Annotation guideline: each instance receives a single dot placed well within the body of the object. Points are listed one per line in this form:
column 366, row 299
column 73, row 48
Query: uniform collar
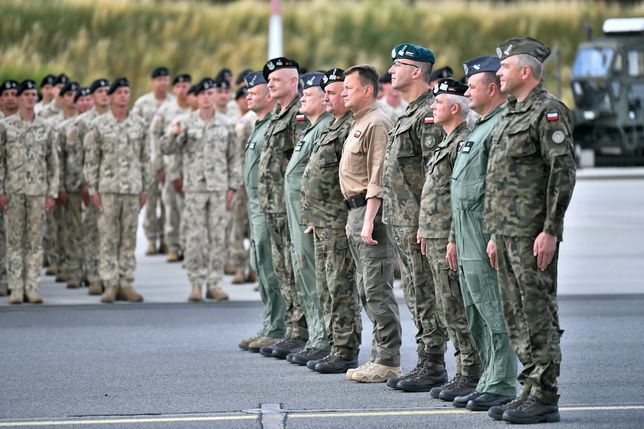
column 366, row 110
column 417, row 103
column 294, row 104
column 515, row 107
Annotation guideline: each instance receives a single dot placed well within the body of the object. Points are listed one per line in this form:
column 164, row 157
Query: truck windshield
column 593, row 62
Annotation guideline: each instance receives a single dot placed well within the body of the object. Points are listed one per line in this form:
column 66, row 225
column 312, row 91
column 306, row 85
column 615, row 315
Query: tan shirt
column 361, row 165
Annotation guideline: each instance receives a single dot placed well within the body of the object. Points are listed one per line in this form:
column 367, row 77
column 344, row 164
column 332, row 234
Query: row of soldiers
column 474, row 211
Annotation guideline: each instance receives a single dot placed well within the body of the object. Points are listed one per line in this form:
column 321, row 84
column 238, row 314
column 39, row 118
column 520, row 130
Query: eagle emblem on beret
column 270, row 65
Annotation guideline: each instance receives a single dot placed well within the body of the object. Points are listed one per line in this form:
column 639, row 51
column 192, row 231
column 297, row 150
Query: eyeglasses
column 397, row 64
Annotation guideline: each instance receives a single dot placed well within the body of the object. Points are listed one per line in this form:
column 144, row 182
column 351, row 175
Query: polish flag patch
column 429, row 119
column 357, row 134
column 300, row 117
column 552, row 116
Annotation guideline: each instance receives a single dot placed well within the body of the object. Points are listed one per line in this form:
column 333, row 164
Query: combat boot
column 497, row 412
column 62, row 277
column 243, row 344
column 216, row 294
column 109, row 296
column 436, row 391
column 239, row 278
column 464, row 386
column 127, row 293
column 393, row 381
column 532, row 411
column 52, row 269
column 288, row 345
column 376, row 373
column 306, row 355
column 229, row 269
column 74, row 283
column 17, row 296
column 152, row 249
column 334, row 365
column 163, row 248
column 263, row 343
column 486, row 401
column 173, row 256
column 433, row 374
column 364, row 366
column 95, row 288
column 33, row 297
column 252, row 277
column 195, row 294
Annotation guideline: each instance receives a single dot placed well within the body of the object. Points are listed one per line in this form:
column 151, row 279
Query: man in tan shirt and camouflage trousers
column 29, row 180
column 117, row 170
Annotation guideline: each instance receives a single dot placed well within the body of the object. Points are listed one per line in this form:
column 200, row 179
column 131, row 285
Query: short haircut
column 491, row 77
column 463, row 103
column 535, row 65
column 426, row 70
column 367, row 74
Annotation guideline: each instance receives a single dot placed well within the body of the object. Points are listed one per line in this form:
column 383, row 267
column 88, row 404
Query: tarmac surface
column 164, row 363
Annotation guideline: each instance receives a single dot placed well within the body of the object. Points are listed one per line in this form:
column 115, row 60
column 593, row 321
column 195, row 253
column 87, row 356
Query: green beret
column 408, row 51
column 523, row 45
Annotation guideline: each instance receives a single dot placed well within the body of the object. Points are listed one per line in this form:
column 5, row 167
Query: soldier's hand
column 229, row 199
column 62, row 197
column 142, row 199
column 545, row 246
column 178, row 186
column 451, row 256
column 491, row 252
column 50, row 203
column 84, row 192
column 161, row 176
column 4, row 202
column 96, row 201
column 423, row 249
column 309, row 230
column 366, row 234
column 177, row 129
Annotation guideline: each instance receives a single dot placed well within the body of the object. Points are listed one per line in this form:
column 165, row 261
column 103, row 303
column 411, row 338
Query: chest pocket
column 406, row 146
column 327, row 154
column 519, row 141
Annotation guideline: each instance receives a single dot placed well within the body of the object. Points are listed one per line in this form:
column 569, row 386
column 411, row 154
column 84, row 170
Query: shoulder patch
column 552, row 116
column 558, row 137
column 357, row 134
column 300, row 117
column 428, row 120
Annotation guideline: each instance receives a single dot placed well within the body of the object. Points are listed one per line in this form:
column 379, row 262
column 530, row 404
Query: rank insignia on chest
column 357, row 134
column 552, row 116
column 300, row 117
column 428, row 120
column 466, row 147
column 298, row 146
column 251, row 145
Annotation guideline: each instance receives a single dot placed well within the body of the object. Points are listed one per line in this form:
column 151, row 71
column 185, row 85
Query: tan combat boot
column 376, row 373
column 243, row 344
column 128, row 293
column 52, row 269
column 216, row 294
column 109, row 296
column 62, row 277
column 173, row 256
column 239, row 278
column 33, row 297
column 195, row 294
column 74, row 283
column 163, row 248
column 152, row 249
column 95, row 288
column 229, row 269
column 17, row 296
column 252, row 277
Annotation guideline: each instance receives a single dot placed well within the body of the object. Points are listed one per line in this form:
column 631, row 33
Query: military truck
column 607, row 82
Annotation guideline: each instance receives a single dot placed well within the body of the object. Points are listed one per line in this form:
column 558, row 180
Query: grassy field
column 93, row 38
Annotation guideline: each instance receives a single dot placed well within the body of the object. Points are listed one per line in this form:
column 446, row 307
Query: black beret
column 50, row 79
column 333, row 75
column 69, row 86
column 82, row 92
column 450, row 86
column 183, row 77
column 160, row 71
column 254, row 78
column 118, row 83
column 7, row 85
column 221, row 83
column 204, row 84
column 241, row 92
column 311, row 80
column 480, row 65
column 242, row 75
column 61, row 79
column 385, row 78
column 279, row 63
column 442, row 73
column 221, row 74
column 193, row 89
column 25, row 85
column 98, row 83
column 523, row 45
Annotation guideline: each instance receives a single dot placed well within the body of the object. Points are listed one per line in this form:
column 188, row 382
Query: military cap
column 193, row 89
column 241, row 92
column 183, row 77
column 441, row 73
column 254, row 78
column 221, row 83
column 82, row 92
column 62, row 79
column 160, row 71
column 450, row 86
column 523, row 45
column 311, row 80
column 118, row 83
column 409, row 51
column 69, row 86
column 385, row 78
column 98, row 83
column 242, row 74
column 25, row 85
column 7, row 85
column 50, row 79
column 279, row 63
column 481, row 65
column 224, row 73
column 333, row 75
column 204, row 84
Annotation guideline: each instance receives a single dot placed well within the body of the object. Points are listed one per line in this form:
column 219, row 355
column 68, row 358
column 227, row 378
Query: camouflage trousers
column 91, row 244
column 24, row 223
column 335, row 274
column 375, row 278
column 54, row 238
column 529, row 298
column 449, row 304
column 239, row 230
column 3, row 255
column 283, row 266
column 418, row 289
column 261, row 261
column 173, row 206
column 73, row 263
column 117, row 224
column 154, row 218
column 205, row 228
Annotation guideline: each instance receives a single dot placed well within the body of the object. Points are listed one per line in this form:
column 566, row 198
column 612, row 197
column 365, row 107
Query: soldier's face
column 281, row 82
column 478, row 92
column 83, row 104
column 402, row 74
column 121, row 96
column 312, row 100
column 180, row 89
column 9, row 99
column 509, row 74
column 68, row 99
column 100, row 97
column 193, row 101
column 222, row 96
column 55, row 90
column 354, row 94
column 441, row 109
column 257, row 98
column 207, row 98
column 46, row 90
column 333, row 99
column 160, row 83
column 28, row 98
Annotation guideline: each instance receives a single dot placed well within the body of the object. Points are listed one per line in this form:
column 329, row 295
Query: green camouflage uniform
column 283, row 131
column 476, row 276
column 210, row 169
column 29, row 172
column 322, row 207
column 435, row 223
column 529, row 185
column 260, row 241
column 410, row 145
column 302, row 250
column 117, row 166
column 55, row 234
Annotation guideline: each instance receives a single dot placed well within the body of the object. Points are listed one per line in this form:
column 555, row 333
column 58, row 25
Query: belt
column 354, row 203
